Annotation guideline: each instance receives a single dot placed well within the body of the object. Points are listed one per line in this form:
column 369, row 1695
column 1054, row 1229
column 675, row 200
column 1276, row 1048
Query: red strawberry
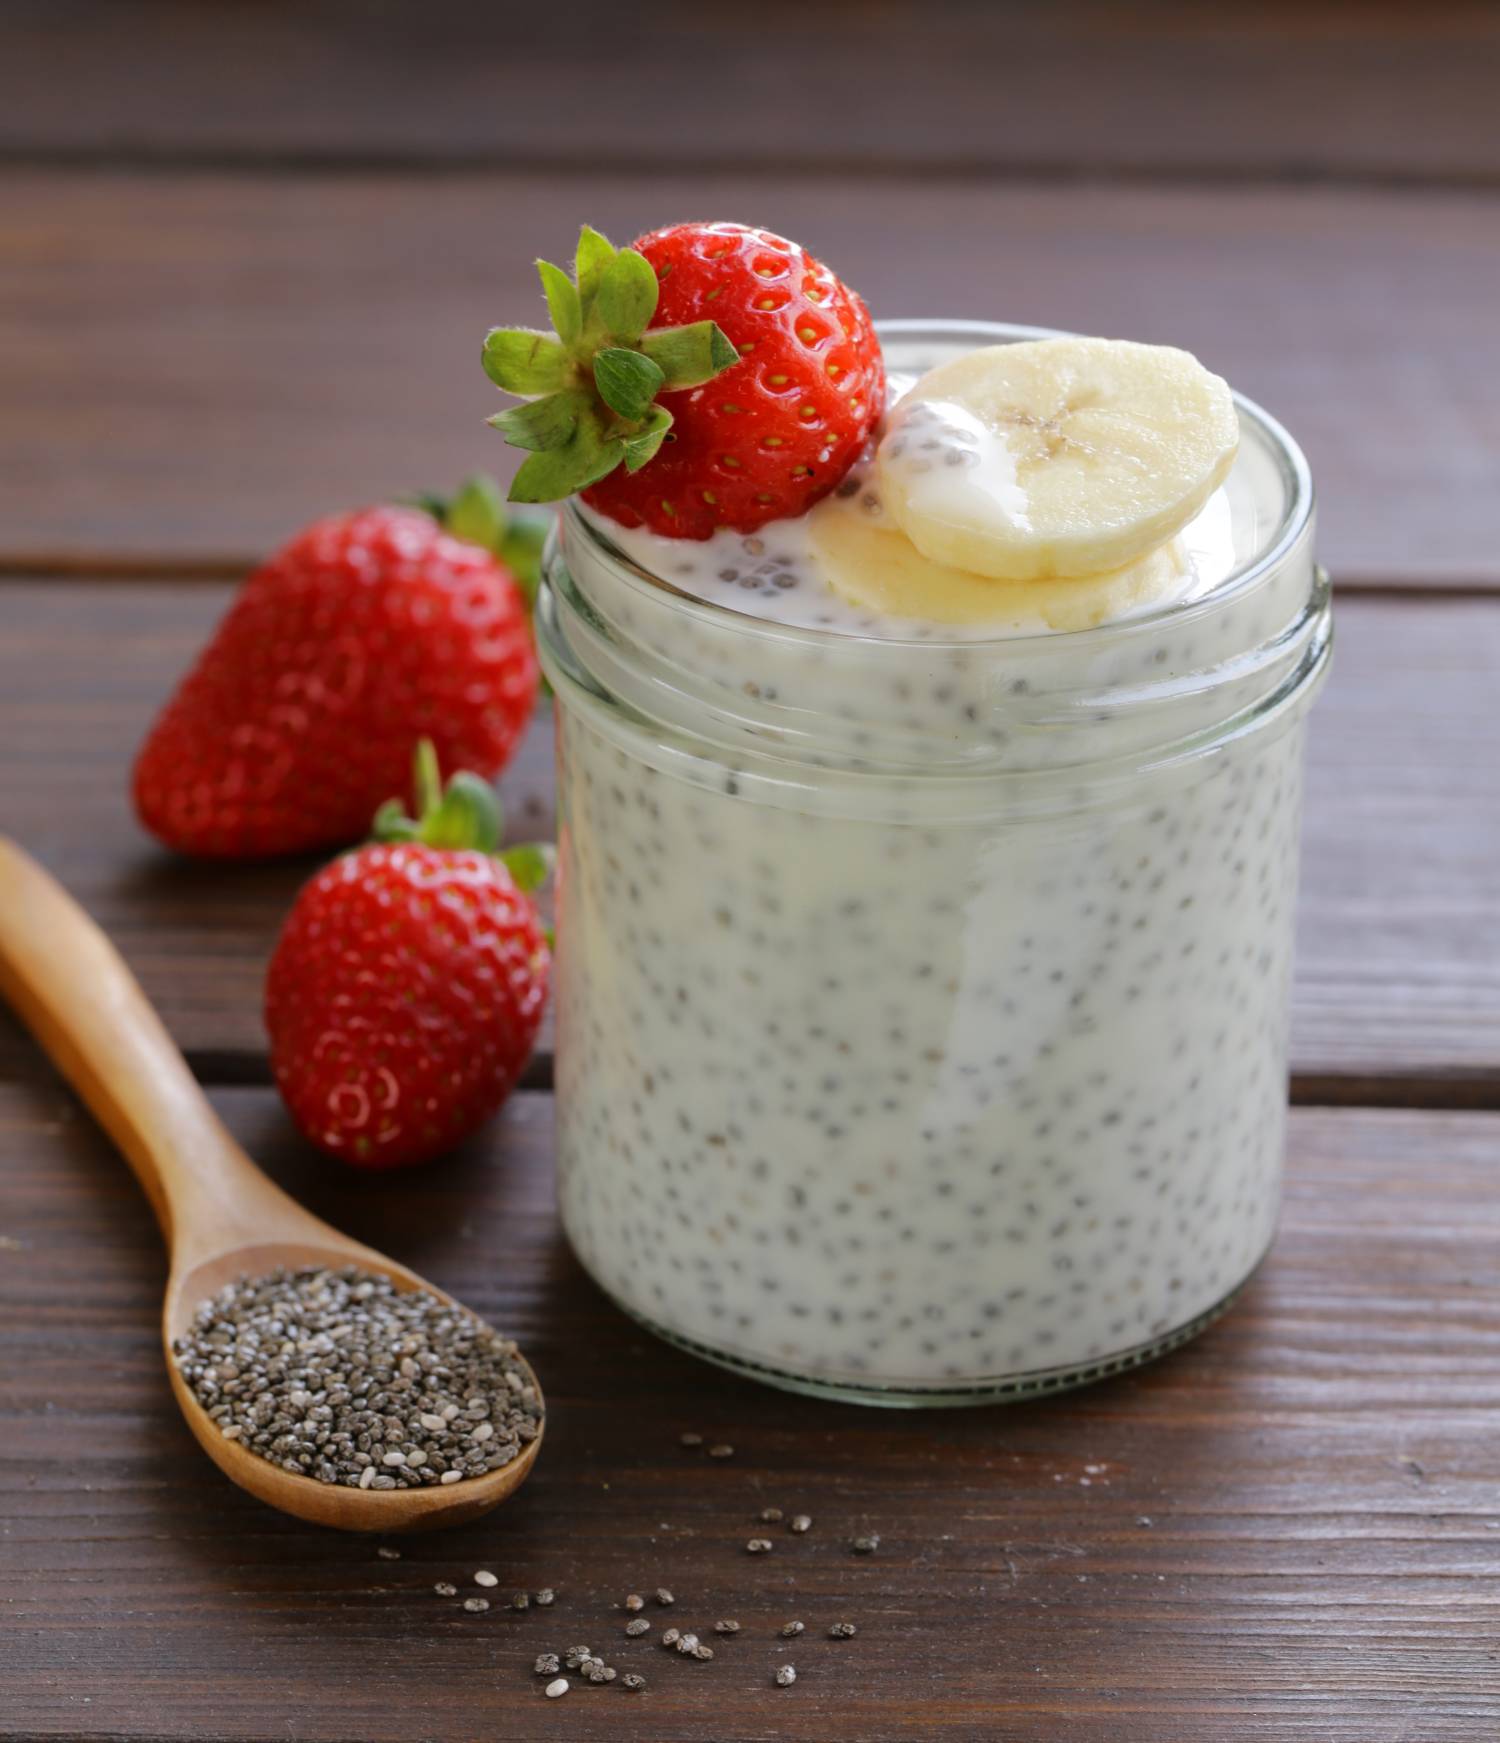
column 407, row 986
column 797, row 380
column 366, row 631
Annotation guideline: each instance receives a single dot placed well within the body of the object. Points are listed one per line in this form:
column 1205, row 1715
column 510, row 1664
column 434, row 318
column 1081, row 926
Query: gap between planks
column 168, row 160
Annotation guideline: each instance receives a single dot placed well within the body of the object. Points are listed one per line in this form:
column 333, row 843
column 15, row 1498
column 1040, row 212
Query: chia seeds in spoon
column 341, row 1377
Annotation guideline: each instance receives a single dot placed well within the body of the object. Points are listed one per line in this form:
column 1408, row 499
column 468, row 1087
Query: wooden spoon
column 222, row 1218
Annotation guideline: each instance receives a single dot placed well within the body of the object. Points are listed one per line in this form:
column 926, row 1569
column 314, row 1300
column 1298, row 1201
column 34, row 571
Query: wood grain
column 196, row 364
column 1287, row 1530
column 1166, row 87
column 1399, row 963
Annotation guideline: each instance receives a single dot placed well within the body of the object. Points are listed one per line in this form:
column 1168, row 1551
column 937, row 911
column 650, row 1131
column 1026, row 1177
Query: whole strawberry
column 406, row 989
column 365, row 632
column 710, row 376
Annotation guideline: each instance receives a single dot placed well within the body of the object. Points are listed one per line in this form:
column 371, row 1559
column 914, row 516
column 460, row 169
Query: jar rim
column 1300, row 502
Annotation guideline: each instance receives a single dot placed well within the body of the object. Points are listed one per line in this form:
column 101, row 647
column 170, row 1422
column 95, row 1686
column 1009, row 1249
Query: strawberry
column 300, row 715
column 622, row 409
column 407, row 986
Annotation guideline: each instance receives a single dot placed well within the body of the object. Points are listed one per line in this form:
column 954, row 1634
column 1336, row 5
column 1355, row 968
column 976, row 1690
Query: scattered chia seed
column 633, row 1680
column 759, row 1546
column 726, row 1627
column 771, row 1516
column 842, row 1631
column 554, row 1689
column 545, row 1598
column 801, row 1522
column 690, row 1439
column 663, row 1596
column 548, row 1664
column 635, row 1602
column 785, row 1677
column 865, row 1545
column 722, row 1451
column 520, row 1601
column 446, row 1589
column 790, row 1630
column 598, row 1672
column 686, row 1643
column 638, row 1627
column 388, row 1554
column 338, row 1376
column 476, row 1606
column 485, row 1578
column 671, row 1637
column 701, row 1652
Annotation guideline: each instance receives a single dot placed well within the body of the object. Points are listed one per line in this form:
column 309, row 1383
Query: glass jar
column 922, row 1004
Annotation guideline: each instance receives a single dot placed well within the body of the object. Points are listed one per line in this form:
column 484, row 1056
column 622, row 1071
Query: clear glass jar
column 922, row 1004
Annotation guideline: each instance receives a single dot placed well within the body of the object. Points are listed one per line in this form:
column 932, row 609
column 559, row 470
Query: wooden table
column 245, row 259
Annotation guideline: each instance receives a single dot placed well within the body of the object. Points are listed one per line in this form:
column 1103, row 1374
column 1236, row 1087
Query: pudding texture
column 922, row 986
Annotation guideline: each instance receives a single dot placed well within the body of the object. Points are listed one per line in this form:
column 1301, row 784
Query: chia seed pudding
column 922, row 986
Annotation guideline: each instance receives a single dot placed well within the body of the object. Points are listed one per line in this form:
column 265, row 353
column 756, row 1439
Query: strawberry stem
column 464, row 815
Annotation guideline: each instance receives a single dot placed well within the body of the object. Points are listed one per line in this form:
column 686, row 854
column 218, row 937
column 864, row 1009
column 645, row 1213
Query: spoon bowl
column 223, row 1219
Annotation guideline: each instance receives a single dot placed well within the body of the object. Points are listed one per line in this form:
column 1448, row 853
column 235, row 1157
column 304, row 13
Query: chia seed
column 801, row 1522
column 547, row 1665
column 726, row 1627
column 663, row 1596
column 786, row 1676
column 554, row 1689
column 446, row 1589
column 722, row 1451
column 759, row 1546
column 842, row 1631
column 865, row 1545
column 338, row 1376
column 635, row 1602
column 790, row 1630
column 476, row 1606
column 639, row 1626
column 633, row 1680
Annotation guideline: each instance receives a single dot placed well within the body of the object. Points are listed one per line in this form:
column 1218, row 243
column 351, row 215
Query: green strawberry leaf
column 594, row 254
column 627, row 381
column 590, row 453
column 468, row 816
column 530, row 864
column 641, row 448
column 464, row 815
column 627, row 296
column 689, row 356
column 563, row 304
column 542, row 424
column 476, row 513
column 523, row 361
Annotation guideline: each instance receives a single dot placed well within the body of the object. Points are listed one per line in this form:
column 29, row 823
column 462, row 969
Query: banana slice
column 1056, row 457
column 875, row 566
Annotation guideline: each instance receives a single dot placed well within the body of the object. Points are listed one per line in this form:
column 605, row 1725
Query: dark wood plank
column 1288, row 1530
column 1399, row 967
column 198, row 364
column 1165, row 87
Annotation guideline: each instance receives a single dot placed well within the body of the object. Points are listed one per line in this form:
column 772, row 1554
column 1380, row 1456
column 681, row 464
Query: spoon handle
column 71, row 988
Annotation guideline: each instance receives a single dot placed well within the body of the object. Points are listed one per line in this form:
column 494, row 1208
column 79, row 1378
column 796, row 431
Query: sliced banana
column 1056, row 457
column 874, row 565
